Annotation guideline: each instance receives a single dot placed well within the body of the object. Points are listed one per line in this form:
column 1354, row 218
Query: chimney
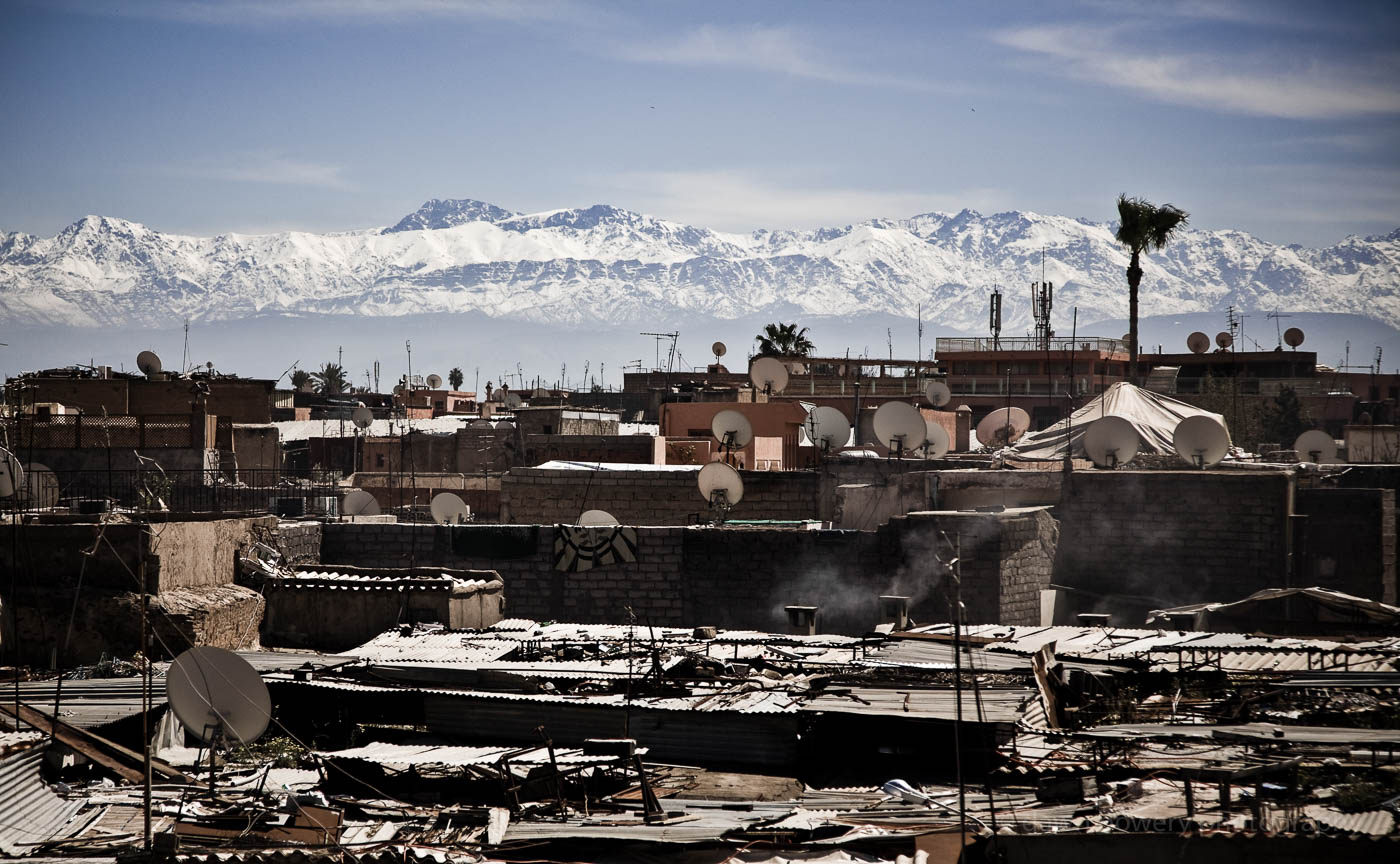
column 802, row 620
column 894, row 609
column 1093, row 619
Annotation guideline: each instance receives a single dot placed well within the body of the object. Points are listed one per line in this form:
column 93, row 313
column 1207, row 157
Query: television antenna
column 1003, row 426
column 449, row 509
column 1111, row 441
column 938, row 394
column 732, row 430
column 900, row 427
column 219, row 698
column 596, row 519
column 1318, row 446
column 1234, row 322
column 670, row 355
column 722, row 486
column 1200, row 440
column 1276, row 316
column 359, row 503
column 769, row 375
column 827, row 428
column 1198, row 342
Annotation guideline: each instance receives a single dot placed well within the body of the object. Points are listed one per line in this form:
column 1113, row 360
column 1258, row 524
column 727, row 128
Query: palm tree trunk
column 1134, row 279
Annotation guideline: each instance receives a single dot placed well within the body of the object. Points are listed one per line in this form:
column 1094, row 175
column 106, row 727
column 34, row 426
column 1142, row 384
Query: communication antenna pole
column 919, row 356
column 1278, row 328
column 995, row 319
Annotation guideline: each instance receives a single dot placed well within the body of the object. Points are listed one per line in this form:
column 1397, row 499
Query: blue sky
column 260, row 115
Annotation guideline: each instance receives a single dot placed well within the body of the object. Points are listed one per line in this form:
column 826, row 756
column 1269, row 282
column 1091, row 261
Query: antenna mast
column 995, row 319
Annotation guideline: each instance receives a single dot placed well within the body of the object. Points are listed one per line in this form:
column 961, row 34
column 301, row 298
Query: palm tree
column 783, row 340
column 455, row 378
column 1142, row 226
column 299, row 378
column 330, row 380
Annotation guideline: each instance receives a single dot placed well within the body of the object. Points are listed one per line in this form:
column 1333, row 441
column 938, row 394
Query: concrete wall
column 1348, row 541
column 632, row 449
column 257, row 448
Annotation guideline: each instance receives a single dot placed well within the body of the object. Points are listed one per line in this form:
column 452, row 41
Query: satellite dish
column 719, row 350
column 596, row 519
column 1293, row 337
column 1198, row 342
column 827, row 427
column 938, row 394
column 720, row 484
column 732, row 429
column 1315, row 445
column 481, row 423
column 362, row 417
column 359, row 503
column 218, row 696
column 11, row 474
column 1224, row 339
column 539, row 393
column 513, row 399
column 448, row 509
column 504, row 424
column 1111, row 441
column 149, row 363
column 768, row 374
column 1201, row 441
column 39, row 487
column 434, row 381
column 936, row 444
column 1003, row 426
column 900, row 426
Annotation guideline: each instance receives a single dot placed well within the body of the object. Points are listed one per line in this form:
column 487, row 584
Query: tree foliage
column 1143, row 225
column 455, row 378
column 330, row 380
column 299, row 378
column 1285, row 418
column 783, row 340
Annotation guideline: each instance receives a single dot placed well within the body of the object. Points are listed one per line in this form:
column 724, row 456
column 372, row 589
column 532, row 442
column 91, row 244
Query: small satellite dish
column 434, row 381
column 596, row 519
column 448, row 509
column 719, row 350
column 1224, row 339
column 362, row 417
column 1111, row 441
column 513, row 400
column 720, row 484
column 936, row 444
column 359, row 503
column 1201, row 441
column 1003, row 426
column 217, row 696
column 1198, row 342
column 1127, row 339
column 900, row 426
column 732, row 429
column 938, row 394
column 1315, row 445
column 504, row 424
column 39, row 488
column 149, row 363
column 1293, row 337
column 827, row 427
column 11, row 474
column 768, row 374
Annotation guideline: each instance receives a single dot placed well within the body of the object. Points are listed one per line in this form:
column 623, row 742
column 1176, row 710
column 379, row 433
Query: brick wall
column 1349, row 541
column 1174, row 537
column 299, row 542
column 637, row 449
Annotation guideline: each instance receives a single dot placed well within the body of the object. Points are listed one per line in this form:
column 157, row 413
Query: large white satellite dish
column 1003, row 426
column 732, row 429
column 39, row 489
column 720, row 484
column 359, row 503
column 1201, row 441
column 149, row 363
column 768, row 374
column 434, row 381
column 362, row 417
column 1315, row 445
column 827, row 428
column 1111, row 441
column 596, row 519
column 1198, row 342
column 218, row 696
column 448, row 509
column 937, row 443
column 938, row 394
column 900, row 427
column 481, row 423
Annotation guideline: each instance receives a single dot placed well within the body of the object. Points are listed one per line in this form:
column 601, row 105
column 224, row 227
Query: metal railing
column 956, row 344
column 140, row 432
column 181, row 491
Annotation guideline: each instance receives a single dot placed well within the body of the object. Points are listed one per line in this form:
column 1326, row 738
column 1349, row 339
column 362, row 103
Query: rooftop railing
column 959, row 344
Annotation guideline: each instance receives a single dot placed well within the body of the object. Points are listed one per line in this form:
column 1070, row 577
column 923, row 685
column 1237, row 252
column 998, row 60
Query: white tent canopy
column 1153, row 415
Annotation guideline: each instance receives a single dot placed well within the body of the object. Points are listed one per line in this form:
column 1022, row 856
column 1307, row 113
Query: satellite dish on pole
column 1111, row 441
column 936, row 443
column 434, row 381
column 448, row 509
column 149, row 363
column 938, row 394
column 362, row 417
column 827, row 427
column 1317, row 446
column 719, row 349
column 1198, row 342
column 1201, row 441
column 768, row 374
column 218, row 696
column 1224, row 339
column 732, row 429
column 1293, row 337
column 596, row 519
column 359, row 503
column 900, row 427
column 1003, row 426
column 720, row 485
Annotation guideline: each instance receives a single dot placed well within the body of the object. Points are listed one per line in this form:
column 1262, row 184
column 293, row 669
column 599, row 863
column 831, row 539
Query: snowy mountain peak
column 449, row 213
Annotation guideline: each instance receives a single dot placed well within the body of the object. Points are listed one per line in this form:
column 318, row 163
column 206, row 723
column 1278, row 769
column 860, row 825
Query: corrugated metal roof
column 997, row 705
column 712, row 821
column 443, row 646
column 734, row 700
column 360, row 582
column 1376, row 823
column 457, row 756
column 300, row 430
column 569, row 465
column 90, row 702
column 32, row 812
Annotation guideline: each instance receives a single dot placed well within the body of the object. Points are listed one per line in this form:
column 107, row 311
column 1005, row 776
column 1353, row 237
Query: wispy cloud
column 735, row 201
column 263, row 167
column 1271, row 86
column 780, row 50
column 257, row 12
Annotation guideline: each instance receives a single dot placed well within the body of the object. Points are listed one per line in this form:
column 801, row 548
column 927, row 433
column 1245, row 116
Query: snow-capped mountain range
column 604, row 264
